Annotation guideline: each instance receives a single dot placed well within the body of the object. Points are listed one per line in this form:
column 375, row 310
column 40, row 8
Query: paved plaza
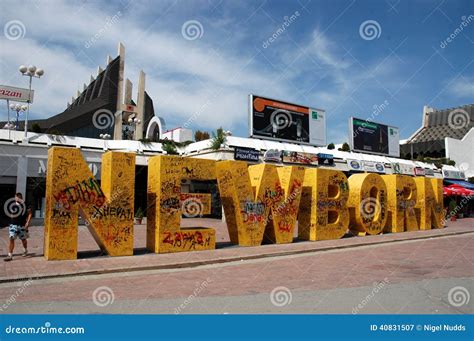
column 411, row 272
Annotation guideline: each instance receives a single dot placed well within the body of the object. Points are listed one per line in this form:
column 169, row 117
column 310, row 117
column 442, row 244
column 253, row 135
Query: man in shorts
column 19, row 223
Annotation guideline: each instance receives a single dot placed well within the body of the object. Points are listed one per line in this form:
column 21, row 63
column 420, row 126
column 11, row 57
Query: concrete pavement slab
column 90, row 261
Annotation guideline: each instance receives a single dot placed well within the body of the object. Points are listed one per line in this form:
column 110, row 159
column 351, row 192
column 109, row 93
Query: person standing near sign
column 18, row 228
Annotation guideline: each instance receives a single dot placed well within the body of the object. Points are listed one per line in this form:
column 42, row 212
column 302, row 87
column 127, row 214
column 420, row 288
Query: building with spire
column 430, row 139
column 106, row 106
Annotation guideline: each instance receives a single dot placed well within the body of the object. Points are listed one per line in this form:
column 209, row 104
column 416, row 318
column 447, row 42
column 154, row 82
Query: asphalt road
column 432, row 276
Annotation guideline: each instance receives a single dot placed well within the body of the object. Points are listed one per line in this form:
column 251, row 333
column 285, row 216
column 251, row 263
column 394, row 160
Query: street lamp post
column 134, row 122
column 19, row 109
column 105, row 137
column 30, row 71
column 8, row 125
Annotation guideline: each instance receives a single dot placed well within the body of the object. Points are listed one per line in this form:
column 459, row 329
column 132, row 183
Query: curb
column 227, row 259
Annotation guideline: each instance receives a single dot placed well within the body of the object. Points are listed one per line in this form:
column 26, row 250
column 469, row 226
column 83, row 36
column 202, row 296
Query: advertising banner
column 453, row 174
column 402, row 168
column 419, row 171
column 16, row 94
column 282, row 121
column 325, row 159
column 374, row 138
column 272, row 155
column 429, row 172
column 300, row 158
column 355, row 165
column 246, row 154
column 376, row 167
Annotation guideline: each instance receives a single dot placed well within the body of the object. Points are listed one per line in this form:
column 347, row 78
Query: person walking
column 18, row 228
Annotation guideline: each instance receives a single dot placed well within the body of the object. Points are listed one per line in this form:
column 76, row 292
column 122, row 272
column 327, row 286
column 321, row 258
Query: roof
column 452, row 122
column 262, row 145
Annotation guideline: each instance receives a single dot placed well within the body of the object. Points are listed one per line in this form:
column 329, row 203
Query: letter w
column 250, row 194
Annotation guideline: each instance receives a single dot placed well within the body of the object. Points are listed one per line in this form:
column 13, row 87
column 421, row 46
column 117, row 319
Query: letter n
column 401, row 201
column 429, row 206
column 107, row 209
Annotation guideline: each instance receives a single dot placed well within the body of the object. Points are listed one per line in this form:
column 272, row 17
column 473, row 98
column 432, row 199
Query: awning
column 457, row 190
column 447, row 191
column 462, row 183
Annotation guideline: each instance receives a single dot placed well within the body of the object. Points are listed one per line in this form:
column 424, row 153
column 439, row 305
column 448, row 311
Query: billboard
column 287, row 122
column 16, row 94
column 374, row 138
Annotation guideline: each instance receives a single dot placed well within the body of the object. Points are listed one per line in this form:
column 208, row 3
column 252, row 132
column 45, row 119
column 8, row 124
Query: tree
column 218, row 139
column 345, row 147
column 53, row 131
column 201, row 135
column 331, row 146
column 35, row 128
column 169, row 147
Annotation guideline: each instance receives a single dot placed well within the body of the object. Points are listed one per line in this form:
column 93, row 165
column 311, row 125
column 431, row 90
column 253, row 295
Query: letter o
column 367, row 203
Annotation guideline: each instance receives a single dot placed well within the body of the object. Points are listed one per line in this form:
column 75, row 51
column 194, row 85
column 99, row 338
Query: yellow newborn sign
column 262, row 203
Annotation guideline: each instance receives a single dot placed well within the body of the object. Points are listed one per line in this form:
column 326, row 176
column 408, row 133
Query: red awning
column 457, row 190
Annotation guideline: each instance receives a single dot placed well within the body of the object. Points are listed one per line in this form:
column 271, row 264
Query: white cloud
column 164, row 56
column 325, row 51
column 462, row 87
column 183, row 77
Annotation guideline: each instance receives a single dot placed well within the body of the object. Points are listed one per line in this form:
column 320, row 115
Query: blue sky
column 322, row 59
